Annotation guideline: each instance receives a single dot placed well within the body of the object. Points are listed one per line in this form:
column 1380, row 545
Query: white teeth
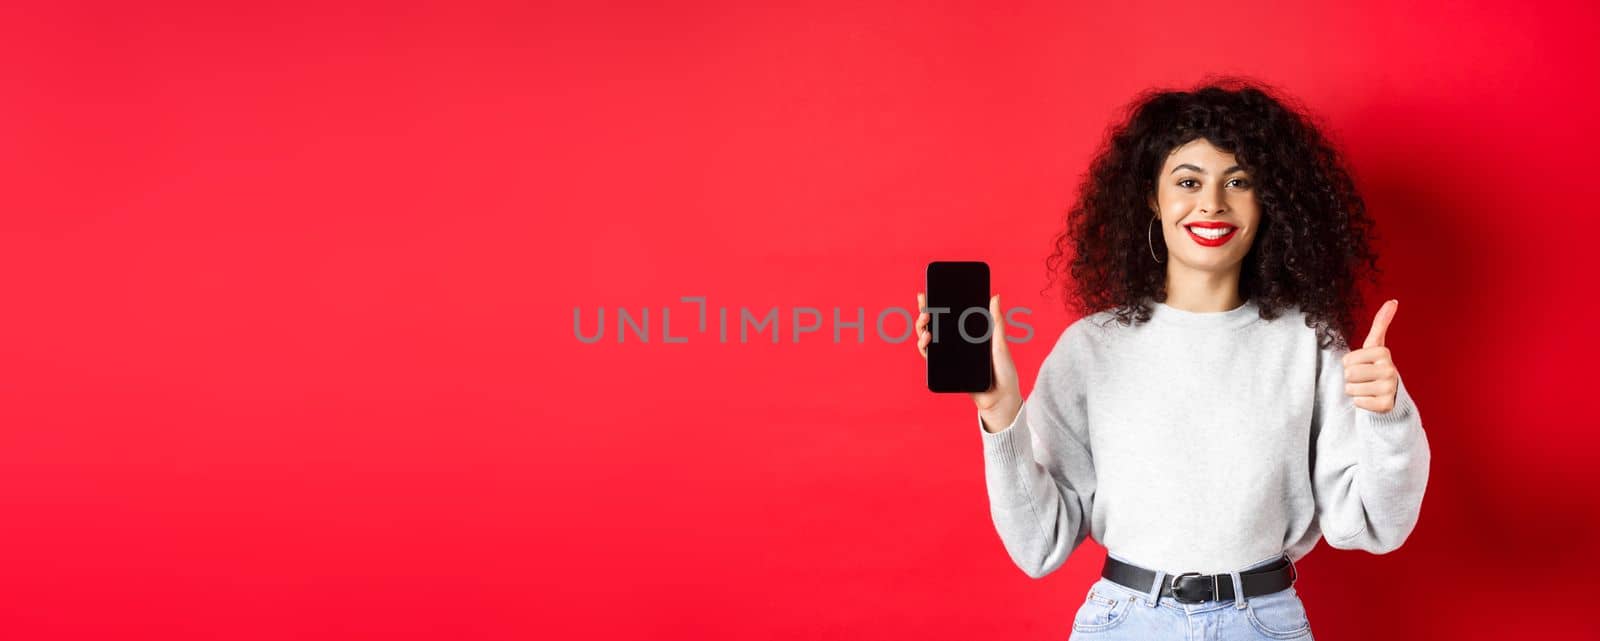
column 1211, row 234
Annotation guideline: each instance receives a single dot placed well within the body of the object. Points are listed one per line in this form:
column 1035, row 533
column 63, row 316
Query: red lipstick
column 1211, row 242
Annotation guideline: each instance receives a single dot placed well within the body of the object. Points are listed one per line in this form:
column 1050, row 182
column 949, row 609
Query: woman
column 1207, row 421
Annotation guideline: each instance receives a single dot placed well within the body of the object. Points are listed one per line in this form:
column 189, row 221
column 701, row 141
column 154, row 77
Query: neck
column 1194, row 290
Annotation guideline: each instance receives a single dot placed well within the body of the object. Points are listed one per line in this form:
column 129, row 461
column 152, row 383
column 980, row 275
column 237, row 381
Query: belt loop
column 1155, row 587
column 1238, row 591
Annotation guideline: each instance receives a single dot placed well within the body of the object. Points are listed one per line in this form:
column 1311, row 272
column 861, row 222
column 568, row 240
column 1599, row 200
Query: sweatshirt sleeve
column 1039, row 473
column 1369, row 469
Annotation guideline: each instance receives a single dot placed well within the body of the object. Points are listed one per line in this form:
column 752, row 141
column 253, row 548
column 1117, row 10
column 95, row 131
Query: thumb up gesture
column 1369, row 373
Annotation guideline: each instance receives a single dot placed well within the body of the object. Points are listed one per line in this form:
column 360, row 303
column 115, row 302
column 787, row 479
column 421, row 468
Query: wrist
column 1001, row 415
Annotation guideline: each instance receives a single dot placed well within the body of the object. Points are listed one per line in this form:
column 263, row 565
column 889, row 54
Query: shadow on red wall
column 1483, row 226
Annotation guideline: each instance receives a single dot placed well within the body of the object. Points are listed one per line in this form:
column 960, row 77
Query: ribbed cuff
column 1396, row 427
column 1010, row 445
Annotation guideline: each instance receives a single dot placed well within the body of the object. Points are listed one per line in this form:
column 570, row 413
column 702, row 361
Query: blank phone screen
column 959, row 361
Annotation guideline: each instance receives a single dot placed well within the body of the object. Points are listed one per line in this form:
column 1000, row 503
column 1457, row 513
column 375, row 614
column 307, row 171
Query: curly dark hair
column 1312, row 244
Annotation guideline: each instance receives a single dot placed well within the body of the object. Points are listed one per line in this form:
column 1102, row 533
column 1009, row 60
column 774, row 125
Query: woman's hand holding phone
column 999, row 405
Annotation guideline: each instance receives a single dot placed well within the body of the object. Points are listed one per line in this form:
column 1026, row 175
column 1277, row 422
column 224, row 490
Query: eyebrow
column 1199, row 170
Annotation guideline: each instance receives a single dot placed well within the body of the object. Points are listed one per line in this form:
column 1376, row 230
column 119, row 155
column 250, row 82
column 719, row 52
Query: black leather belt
column 1193, row 587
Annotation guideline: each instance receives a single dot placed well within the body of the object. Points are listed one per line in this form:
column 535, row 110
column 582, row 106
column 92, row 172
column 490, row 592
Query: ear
column 1152, row 203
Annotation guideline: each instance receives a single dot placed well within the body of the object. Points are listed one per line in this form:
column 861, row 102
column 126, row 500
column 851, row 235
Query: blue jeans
column 1112, row 612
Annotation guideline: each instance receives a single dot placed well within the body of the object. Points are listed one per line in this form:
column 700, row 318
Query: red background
column 288, row 346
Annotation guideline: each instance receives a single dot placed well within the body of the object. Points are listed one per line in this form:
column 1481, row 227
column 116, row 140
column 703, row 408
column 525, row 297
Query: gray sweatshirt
column 1200, row 442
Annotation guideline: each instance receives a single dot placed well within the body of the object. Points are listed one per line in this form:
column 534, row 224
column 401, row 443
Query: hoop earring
column 1148, row 232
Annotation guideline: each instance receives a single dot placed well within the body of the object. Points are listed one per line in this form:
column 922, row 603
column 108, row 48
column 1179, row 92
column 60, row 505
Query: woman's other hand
column 999, row 405
column 1370, row 376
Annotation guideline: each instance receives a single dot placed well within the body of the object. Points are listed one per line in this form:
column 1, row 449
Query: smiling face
column 1208, row 208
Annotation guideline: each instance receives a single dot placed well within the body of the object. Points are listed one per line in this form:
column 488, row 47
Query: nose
column 1212, row 202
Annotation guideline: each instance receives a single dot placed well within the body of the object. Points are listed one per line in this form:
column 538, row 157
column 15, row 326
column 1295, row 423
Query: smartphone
column 959, row 359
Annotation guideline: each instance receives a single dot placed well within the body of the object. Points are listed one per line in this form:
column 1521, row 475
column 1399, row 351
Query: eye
column 1185, row 183
column 1242, row 183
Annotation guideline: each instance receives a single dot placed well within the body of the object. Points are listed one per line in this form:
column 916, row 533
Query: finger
column 999, row 338
column 922, row 317
column 1373, row 388
column 1380, row 324
column 1379, row 355
column 923, row 338
column 1367, row 372
column 1379, row 405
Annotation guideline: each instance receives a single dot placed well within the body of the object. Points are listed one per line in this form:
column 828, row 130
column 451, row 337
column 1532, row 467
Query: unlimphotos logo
column 801, row 321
